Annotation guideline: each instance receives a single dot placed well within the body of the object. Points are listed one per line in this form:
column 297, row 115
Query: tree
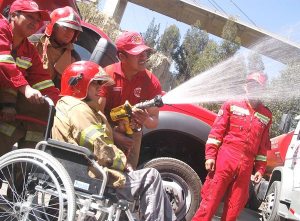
column 188, row 53
column 151, row 34
column 283, row 95
column 169, row 41
column 255, row 62
column 231, row 42
column 90, row 14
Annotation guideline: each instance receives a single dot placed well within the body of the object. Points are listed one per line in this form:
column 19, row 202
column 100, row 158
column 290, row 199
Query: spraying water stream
column 225, row 81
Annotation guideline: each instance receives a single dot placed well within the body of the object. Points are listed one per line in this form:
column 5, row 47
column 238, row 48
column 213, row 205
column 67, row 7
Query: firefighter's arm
column 40, row 79
column 218, row 130
column 11, row 75
column 94, row 133
column 265, row 145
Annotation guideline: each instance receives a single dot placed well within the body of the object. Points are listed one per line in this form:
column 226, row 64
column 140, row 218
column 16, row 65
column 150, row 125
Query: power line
column 214, row 4
column 243, row 12
column 219, row 7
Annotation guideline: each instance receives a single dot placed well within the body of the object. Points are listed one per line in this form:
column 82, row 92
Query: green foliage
column 187, row 54
column 169, row 41
column 151, row 34
column 231, row 42
column 280, row 104
column 90, row 14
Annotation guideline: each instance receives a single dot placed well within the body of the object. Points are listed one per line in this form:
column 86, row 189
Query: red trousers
column 231, row 176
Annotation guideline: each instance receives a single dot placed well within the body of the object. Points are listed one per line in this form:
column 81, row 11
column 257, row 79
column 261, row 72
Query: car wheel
column 181, row 183
column 253, row 202
column 271, row 203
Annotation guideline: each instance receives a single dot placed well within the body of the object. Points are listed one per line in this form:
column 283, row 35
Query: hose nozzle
column 155, row 102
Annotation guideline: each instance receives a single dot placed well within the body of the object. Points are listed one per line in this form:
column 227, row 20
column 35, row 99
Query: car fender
column 181, row 123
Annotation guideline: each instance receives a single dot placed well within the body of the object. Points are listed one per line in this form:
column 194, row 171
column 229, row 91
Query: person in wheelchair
column 78, row 120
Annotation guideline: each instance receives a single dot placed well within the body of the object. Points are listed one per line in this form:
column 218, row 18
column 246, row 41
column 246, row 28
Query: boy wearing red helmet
column 237, row 144
column 78, row 120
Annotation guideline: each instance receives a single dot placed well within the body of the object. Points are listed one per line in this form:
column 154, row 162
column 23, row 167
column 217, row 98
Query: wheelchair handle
column 50, row 117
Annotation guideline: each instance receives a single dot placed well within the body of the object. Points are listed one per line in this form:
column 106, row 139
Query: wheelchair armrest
column 71, row 147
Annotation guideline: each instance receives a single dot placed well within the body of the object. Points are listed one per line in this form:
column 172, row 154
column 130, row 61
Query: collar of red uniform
column 118, row 70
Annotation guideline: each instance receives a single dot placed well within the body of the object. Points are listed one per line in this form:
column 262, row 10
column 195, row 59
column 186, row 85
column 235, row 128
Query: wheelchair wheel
column 38, row 183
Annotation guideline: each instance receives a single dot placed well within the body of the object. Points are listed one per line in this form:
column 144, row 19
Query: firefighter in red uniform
column 16, row 54
column 238, row 141
column 25, row 19
column 133, row 82
column 55, row 46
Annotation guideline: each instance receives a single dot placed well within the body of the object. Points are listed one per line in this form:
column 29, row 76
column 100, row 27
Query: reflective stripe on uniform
column 118, row 163
column 89, row 135
column 34, row 136
column 261, row 158
column 23, row 63
column 264, row 119
column 7, row 129
column 213, row 141
column 239, row 110
column 43, row 84
column 5, row 58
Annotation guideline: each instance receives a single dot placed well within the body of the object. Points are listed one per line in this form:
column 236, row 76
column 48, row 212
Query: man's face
column 135, row 62
column 26, row 23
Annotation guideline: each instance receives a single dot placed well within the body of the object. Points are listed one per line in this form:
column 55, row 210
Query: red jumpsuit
column 21, row 67
column 239, row 139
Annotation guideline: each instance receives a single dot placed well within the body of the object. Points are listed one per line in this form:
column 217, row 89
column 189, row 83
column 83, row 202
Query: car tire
column 181, row 183
column 253, row 202
column 271, row 203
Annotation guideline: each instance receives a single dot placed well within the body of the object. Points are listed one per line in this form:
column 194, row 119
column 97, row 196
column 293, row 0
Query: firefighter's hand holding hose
column 139, row 117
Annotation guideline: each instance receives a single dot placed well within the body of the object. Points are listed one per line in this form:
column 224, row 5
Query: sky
column 280, row 17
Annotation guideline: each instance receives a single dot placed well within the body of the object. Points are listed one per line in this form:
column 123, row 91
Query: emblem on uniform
column 220, row 113
column 137, row 92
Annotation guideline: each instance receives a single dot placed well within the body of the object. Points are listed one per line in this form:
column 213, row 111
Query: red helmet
column 257, row 76
column 66, row 17
column 77, row 77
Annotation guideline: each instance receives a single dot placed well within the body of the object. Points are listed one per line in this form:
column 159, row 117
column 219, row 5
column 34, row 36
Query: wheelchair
column 51, row 183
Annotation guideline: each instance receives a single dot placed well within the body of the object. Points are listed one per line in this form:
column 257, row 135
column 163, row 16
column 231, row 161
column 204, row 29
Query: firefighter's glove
column 210, row 164
column 116, row 178
column 8, row 114
column 257, row 177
